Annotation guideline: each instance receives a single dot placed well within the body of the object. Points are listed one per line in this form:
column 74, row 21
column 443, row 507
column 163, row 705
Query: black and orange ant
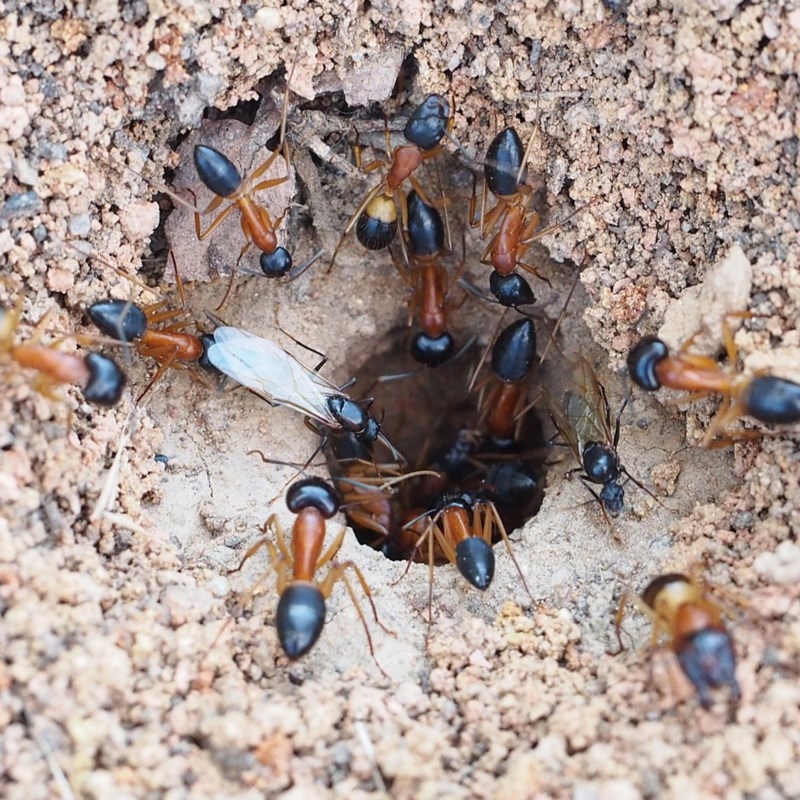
column 504, row 402
column 764, row 397
column 99, row 377
column 434, row 344
column 460, row 528
column 679, row 607
column 301, row 609
column 221, row 176
column 584, row 423
column 375, row 219
column 516, row 222
column 170, row 346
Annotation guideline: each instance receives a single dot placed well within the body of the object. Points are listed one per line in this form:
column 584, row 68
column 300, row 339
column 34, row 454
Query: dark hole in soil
column 435, row 421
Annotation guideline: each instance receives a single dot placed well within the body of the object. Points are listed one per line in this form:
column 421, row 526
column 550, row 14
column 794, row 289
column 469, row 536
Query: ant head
column 312, row 493
column 119, row 319
column 425, row 227
column 511, row 290
column 427, row 125
column 475, row 561
column 503, row 164
column 106, row 380
column 708, row 660
column 432, row 350
column 612, row 496
column 277, row 263
column 514, row 350
column 300, row 617
column 643, row 359
column 216, row 171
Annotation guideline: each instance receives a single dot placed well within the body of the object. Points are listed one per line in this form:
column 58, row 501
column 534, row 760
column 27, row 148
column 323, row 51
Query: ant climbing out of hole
column 428, row 279
column 99, row 377
column 460, row 528
column 280, row 379
column 376, row 217
column 301, row 609
column 584, row 423
column 679, row 607
column 764, row 397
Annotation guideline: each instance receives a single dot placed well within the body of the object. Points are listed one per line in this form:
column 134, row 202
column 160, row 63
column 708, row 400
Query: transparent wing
column 565, row 428
column 272, row 373
column 587, row 408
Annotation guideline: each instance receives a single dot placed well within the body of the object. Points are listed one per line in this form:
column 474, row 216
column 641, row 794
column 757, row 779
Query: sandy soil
column 133, row 664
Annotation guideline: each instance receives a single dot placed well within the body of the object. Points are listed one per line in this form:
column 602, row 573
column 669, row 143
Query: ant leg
column 338, row 572
column 202, row 234
column 493, row 517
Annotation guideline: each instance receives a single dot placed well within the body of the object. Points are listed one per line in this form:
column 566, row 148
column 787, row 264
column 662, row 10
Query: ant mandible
column 99, row 376
column 764, row 397
column 301, row 609
column 679, row 607
column 375, row 219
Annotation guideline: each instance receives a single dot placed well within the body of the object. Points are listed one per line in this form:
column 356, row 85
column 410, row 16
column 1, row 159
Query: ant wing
column 587, row 407
column 565, row 428
column 270, row 372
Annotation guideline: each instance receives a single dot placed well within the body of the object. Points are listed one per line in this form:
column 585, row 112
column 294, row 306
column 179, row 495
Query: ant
column 99, row 376
column 513, row 354
column 126, row 322
column 280, row 379
column 433, row 345
column 505, row 176
column 764, row 397
column 301, row 609
column 584, row 423
column 462, row 527
column 375, row 219
column 219, row 174
column 679, row 607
